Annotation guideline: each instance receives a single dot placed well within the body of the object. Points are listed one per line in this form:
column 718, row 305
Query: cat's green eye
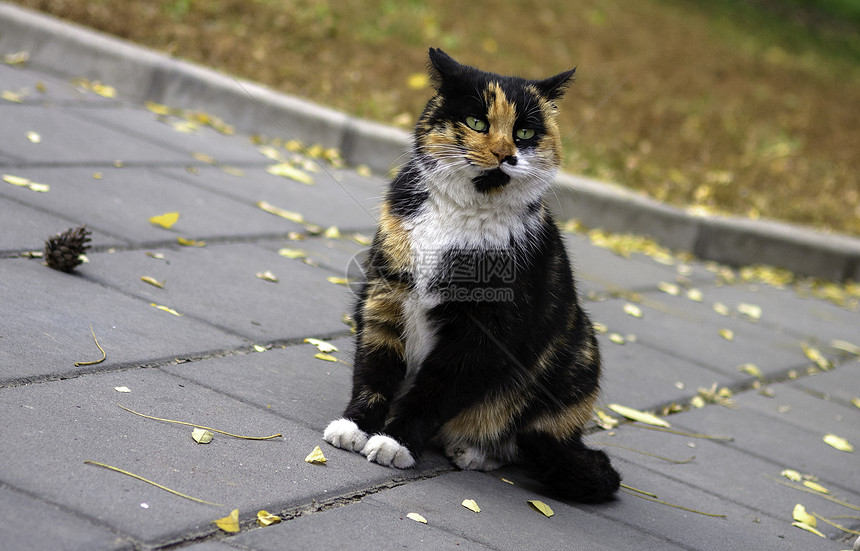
column 479, row 125
column 524, row 133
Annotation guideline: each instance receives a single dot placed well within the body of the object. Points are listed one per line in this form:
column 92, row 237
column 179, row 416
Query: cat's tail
column 568, row 468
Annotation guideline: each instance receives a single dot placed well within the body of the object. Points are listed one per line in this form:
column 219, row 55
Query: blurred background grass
column 748, row 107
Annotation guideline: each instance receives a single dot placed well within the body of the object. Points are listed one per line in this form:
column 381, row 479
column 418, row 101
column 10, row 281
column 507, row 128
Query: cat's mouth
column 490, row 180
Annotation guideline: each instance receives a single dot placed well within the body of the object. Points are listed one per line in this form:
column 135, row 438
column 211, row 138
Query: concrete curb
column 68, row 50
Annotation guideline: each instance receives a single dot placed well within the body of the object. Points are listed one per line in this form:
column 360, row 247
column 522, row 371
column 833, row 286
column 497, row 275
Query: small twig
column 643, row 492
column 201, row 426
column 687, row 434
column 104, row 355
column 675, row 461
column 138, row 477
column 833, row 524
column 646, row 497
column 813, row 492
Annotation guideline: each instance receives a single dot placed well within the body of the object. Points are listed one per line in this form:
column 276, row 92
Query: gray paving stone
column 50, row 429
column 337, row 198
column 53, row 90
column 842, row 384
column 742, row 528
column 287, row 381
column 816, row 320
column 369, row 525
column 218, row 283
column 767, row 437
column 341, row 257
column 691, row 331
column 26, row 228
column 49, row 331
column 723, row 470
column 33, row 524
column 121, row 202
column 659, row 378
column 68, row 139
column 142, row 124
column 506, row 521
column 790, row 404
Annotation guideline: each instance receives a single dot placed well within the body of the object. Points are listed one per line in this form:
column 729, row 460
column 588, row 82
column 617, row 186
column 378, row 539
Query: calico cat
column 468, row 325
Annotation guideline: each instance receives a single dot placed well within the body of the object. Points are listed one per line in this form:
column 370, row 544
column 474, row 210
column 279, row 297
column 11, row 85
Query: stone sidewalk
column 227, row 351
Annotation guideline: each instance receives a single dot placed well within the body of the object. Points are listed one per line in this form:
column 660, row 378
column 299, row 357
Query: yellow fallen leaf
column 417, row 518
column 695, row 295
column 324, row 356
column 41, row 188
column 839, row 443
column 265, row 518
column 152, row 281
column 338, row 280
column 616, row 338
column 14, row 97
column 471, row 505
column 812, row 485
column 332, row 233
column 632, row 310
column 808, row 528
column 202, row 436
column 792, row 475
column 292, row 253
column 322, row 346
column 230, row 523
column 165, row 309
column 541, row 507
column 34, row 137
column 751, row 311
column 721, row 309
column 800, row 515
column 506, row 481
column 669, row 288
column 727, row 334
column 19, row 181
column 605, row 421
column 751, row 369
column 190, row 242
column 637, row 415
column 267, row 276
column 364, row 170
column 816, row 357
column 203, row 157
column 165, row 220
column 846, row 346
column 259, row 348
column 316, row 457
column 362, row 239
column 157, row 108
column 103, row 90
column 289, row 171
column 856, row 401
column 278, row 211
column 122, row 389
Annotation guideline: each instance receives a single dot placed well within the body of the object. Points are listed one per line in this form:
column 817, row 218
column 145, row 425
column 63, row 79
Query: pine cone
column 63, row 251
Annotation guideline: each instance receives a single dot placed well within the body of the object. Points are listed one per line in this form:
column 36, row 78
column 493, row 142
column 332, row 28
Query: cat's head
column 491, row 131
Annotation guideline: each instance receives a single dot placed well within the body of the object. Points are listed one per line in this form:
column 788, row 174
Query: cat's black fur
column 469, row 329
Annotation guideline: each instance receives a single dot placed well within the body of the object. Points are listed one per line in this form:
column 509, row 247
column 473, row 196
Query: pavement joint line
column 149, row 75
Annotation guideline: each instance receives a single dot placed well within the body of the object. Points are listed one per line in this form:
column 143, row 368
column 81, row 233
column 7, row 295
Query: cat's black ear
column 443, row 67
column 553, row 88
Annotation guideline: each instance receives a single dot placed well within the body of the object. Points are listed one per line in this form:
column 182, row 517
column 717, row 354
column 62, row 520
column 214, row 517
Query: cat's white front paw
column 387, row 451
column 345, row 434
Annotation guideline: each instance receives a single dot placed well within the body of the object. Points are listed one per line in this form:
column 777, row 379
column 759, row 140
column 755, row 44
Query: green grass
column 749, row 108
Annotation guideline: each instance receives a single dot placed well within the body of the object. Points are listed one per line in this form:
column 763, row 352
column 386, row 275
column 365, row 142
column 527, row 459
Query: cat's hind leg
column 568, row 468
